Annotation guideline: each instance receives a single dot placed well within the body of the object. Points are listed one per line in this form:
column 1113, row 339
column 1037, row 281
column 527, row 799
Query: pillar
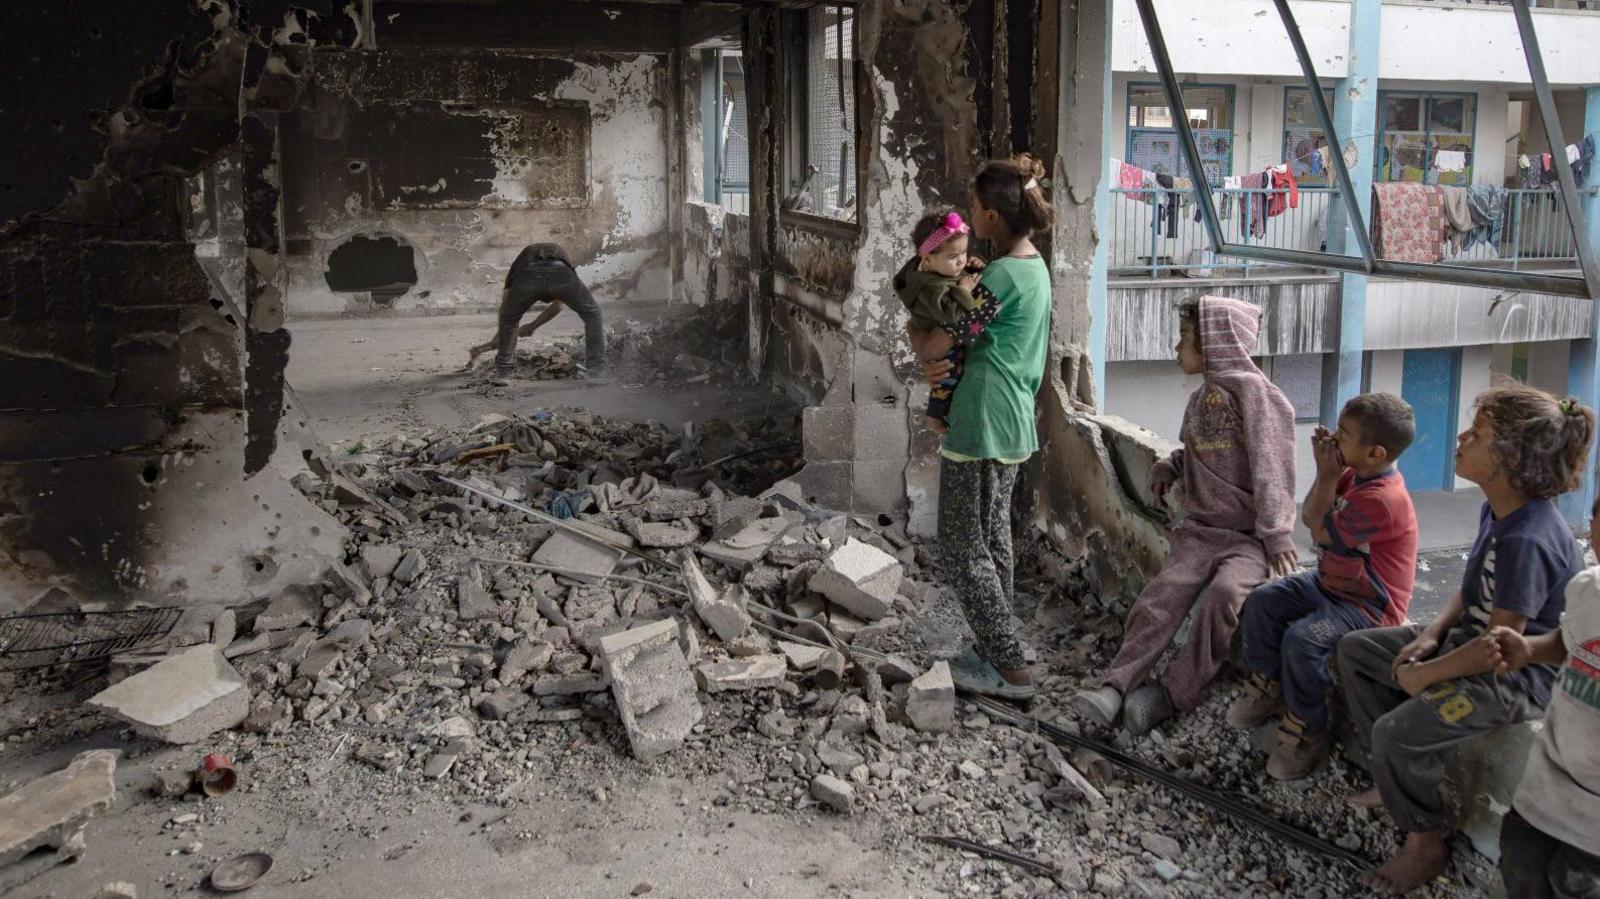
column 1355, row 115
column 1583, row 374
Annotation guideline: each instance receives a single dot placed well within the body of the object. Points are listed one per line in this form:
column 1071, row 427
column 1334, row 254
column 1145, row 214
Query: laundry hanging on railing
column 1539, row 170
column 1487, row 204
column 1457, row 216
column 1408, row 221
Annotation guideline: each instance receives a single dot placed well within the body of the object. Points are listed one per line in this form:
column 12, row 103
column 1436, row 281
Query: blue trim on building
column 1583, row 372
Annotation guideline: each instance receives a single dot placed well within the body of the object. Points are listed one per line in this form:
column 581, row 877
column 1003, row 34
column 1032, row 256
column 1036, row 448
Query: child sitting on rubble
column 1550, row 839
column 936, row 288
column 1365, row 530
column 1236, row 467
column 1416, row 692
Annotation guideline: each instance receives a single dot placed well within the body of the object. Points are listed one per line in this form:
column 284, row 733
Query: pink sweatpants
column 1213, row 567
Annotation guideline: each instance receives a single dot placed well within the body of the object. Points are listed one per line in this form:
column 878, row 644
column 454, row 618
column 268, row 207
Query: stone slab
column 184, row 699
column 861, row 578
column 931, row 700
column 723, row 613
column 50, row 811
column 580, row 559
column 754, row 673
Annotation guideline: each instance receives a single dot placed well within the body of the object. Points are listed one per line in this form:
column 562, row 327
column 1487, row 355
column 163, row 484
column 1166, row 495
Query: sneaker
column 1100, row 706
column 1145, row 708
column 968, row 660
column 1299, row 753
column 988, row 682
column 1262, row 699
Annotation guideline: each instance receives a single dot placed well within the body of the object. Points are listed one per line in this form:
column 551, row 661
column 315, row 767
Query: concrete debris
column 292, row 608
column 184, row 699
column 118, row 890
column 801, row 656
column 570, row 553
column 654, row 691
column 931, row 700
column 747, row 547
column 861, row 578
column 755, row 673
column 500, row 704
column 411, row 566
column 724, row 613
column 524, row 657
column 380, row 559
column 49, row 812
column 834, row 793
column 472, row 600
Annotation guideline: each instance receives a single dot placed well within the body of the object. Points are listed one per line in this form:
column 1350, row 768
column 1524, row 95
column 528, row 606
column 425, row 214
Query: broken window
column 1153, row 142
column 1426, row 137
column 727, row 144
column 821, row 156
column 1303, row 138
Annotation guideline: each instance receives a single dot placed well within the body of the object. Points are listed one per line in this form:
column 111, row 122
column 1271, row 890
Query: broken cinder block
column 724, row 614
column 931, row 701
column 754, row 673
column 654, row 691
column 861, row 578
column 184, row 699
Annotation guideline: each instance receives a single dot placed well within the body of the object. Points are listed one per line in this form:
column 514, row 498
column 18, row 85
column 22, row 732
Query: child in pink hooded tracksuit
column 1236, row 467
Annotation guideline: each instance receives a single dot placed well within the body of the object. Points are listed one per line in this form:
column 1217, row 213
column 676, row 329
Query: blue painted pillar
column 1583, row 374
column 1100, row 270
column 1355, row 115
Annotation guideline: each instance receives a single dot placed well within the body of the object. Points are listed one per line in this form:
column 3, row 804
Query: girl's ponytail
column 1543, row 442
column 1011, row 187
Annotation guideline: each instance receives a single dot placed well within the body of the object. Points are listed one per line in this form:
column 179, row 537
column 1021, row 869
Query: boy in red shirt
column 1361, row 519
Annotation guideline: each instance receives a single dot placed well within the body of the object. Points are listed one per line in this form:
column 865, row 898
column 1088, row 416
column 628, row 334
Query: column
column 1583, row 374
column 1355, row 115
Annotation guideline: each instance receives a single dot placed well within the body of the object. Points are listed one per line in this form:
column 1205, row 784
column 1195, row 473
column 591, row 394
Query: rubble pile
column 682, row 349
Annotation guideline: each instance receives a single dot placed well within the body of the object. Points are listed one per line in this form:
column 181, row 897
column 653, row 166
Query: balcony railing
column 1590, row 5
column 1535, row 233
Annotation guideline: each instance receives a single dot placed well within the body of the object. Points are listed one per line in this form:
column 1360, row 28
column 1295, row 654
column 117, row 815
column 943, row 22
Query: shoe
column 1299, row 753
column 988, row 682
column 968, row 660
column 1145, row 708
column 1100, row 706
column 1262, row 699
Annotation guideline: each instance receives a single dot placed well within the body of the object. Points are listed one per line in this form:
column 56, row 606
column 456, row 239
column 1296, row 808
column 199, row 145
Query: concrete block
column 411, row 566
column 1134, row 452
column 931, row 700
column 591, row 560
column 291, row 608
column 878, row 486
column 827, row 433
column 346, row 583
column 379, row 559
column 523, row 657
column 654, row 690
column 828, row 485
column 882, row 433
column 50, row 811
column 184, row 699
column 1484, row 773
column 472, row 599
column 801, row 656
column 723, row 613
column 833, row 792
column 499, row 705
column 861, row 578
column 749, row 545
column 733, row 515
column 754, row 673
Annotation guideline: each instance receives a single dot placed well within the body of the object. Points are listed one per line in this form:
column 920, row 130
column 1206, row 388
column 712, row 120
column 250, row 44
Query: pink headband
column 952, row 226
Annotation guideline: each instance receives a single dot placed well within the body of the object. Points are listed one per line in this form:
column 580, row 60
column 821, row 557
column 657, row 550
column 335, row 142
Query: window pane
column 1452, row 115
column 1152, row 141
column 830, row 102
column 1402, row 114
column 1303, row 137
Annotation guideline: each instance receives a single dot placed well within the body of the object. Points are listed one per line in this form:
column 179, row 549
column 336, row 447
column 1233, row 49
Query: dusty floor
column 589, row 821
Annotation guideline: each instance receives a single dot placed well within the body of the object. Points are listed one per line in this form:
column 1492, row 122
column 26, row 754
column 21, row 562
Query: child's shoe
column 1100, row 706
column 1145, row 708
column 1299, row 753
column 1262, row 699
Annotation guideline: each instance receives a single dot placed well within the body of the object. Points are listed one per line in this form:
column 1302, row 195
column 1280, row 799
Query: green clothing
column 933, row 300
column 991, row 416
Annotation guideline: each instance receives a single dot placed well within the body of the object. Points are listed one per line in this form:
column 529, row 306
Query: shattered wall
column 133, row 387
column 458, row 159
column 715, row 257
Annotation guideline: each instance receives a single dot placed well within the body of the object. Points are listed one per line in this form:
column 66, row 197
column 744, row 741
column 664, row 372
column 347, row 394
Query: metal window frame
column 1381, row 129
column 1586, row 286
column 1233, row 115
column 1286, row 149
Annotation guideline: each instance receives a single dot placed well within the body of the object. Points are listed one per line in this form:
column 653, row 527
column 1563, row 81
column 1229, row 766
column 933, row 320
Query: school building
column 1454, row 109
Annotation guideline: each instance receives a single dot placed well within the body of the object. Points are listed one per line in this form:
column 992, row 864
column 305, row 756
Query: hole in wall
column 385, row 267
column 358, row 166
column 151, row 473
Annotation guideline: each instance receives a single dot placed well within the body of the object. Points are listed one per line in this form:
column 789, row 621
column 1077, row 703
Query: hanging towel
column 1580, row 169
column 1450, row 161
column 1458, row 215
column 1253, row 204
column 1488, row 207
column 1408, row 221
column 1572, row 152
column 1523, row 163
column 1129, row 177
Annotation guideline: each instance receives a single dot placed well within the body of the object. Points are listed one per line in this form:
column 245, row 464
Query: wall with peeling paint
column 468, row 156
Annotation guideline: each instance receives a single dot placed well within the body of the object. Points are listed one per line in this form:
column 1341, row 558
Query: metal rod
column 1032, row 866
column 568, row 526
column 1552, row 131
column 1471, row 276
column 573, row 572
column 1347, row 189
column 1180, row 117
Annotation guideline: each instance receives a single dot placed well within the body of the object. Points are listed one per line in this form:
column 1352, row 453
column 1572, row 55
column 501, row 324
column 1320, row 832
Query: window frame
column 796, row 131
column 1232, row 94
column 1287, row 150
column 1427, row 97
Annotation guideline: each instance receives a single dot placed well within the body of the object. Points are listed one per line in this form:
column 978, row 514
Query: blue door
column 1430, row 381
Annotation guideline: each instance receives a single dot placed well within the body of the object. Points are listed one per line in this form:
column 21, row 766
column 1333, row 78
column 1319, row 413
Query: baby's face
column 949, row 260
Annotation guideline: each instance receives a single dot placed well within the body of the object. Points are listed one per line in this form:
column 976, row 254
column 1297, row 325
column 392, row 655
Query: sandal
column 988, row 682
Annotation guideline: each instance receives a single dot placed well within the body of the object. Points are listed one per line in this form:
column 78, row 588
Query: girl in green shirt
column 991, row 418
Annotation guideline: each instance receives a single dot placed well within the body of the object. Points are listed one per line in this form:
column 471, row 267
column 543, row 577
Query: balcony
column 1535, row 234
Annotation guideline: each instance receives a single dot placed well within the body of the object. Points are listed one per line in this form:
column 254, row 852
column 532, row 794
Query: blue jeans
column 1290, row 629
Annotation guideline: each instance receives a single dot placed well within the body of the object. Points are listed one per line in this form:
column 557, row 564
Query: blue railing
column 1145, row 242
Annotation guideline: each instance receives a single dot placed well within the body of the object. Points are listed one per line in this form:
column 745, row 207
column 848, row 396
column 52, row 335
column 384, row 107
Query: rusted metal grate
column 69, row 638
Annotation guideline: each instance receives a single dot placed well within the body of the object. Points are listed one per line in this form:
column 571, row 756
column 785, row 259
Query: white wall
column 1385, row 371
column 1436, row 41
column 1476, row 364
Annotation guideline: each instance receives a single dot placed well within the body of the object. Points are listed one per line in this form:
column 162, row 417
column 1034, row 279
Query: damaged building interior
column 295, row 597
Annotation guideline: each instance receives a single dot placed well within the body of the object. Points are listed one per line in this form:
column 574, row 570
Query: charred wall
column 463, row 157
column 126, row 402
